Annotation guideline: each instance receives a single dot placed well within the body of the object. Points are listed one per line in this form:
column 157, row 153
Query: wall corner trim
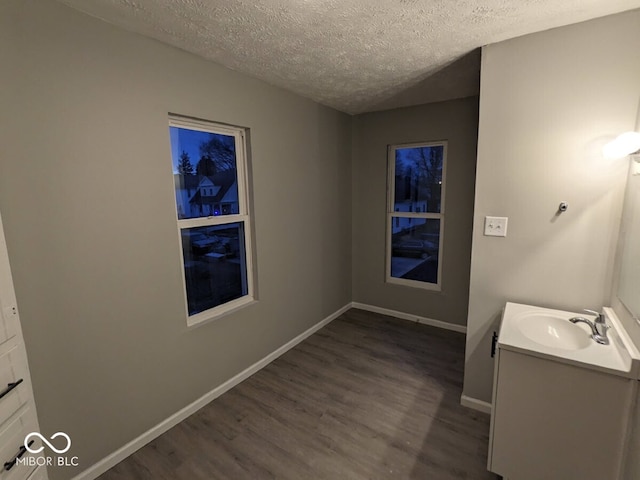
column 411, row 317
column 475, row 404
column 137, row 443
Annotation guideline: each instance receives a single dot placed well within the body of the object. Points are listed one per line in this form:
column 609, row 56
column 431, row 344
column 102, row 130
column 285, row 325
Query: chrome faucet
column 599, row 327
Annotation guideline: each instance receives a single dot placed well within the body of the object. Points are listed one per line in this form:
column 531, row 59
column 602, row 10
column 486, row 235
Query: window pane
column 204, row 171
column 215, row 265
column 418, row 182
column 414, row 248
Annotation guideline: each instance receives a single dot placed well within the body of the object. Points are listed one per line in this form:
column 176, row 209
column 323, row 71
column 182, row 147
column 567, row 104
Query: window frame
column 243, row 216
column 391, row 213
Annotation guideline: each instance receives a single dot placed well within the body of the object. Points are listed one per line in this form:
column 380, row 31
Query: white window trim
column 391, row 168
column 243, row 216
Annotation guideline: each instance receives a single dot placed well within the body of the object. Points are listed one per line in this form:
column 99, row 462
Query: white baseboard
column 116, row 457
column 411, row 317
column 475, row 404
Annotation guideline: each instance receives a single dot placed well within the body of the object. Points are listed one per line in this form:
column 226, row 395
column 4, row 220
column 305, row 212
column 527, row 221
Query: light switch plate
column 495, row 226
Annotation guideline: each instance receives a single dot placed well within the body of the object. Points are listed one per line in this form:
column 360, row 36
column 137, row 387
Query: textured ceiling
column 353, row 55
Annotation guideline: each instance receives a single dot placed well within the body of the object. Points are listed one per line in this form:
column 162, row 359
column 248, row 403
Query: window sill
column 434, row 287
column 221, row 311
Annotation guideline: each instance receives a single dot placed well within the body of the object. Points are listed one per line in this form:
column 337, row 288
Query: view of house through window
column 209, row 171
column 415, row 214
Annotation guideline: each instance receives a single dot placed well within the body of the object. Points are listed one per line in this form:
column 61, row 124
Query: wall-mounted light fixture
column 625, row 144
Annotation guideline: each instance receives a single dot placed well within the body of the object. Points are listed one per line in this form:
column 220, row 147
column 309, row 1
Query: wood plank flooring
column 366, row 397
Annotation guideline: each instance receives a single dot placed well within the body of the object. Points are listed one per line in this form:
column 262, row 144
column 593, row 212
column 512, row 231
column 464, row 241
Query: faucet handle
column 599, row 316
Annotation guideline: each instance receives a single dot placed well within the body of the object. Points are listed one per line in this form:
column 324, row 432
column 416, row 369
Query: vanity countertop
column 542, row 332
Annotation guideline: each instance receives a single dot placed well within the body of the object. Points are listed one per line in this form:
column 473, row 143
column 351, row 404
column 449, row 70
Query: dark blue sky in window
column 183, row 139
column 406, row 157
column 188, row 141
column 402, row 159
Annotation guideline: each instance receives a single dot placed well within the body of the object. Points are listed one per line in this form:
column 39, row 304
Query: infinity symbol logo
column 47, row 442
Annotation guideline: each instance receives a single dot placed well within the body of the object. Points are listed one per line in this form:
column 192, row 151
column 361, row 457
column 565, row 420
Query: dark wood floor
column 366, row 397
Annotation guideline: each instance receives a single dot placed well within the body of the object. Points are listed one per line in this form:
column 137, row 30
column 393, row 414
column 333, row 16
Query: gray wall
column 86, row 194
column 455, row 121
column 548, row 103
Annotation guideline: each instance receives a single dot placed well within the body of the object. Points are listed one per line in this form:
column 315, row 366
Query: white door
column 18, row 416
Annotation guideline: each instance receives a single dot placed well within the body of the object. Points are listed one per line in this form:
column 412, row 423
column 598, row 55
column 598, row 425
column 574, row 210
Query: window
column 415, row 214
column 209, row 170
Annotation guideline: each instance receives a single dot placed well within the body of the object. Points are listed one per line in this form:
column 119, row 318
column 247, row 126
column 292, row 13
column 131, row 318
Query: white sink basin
column 553, row 331
column 548, row 333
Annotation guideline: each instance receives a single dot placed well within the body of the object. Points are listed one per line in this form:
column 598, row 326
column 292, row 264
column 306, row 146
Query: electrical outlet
column 495, row 226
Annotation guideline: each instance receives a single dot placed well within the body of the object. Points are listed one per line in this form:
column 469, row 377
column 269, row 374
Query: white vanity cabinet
column 557, row 422
column 17, row 408
column 555, row 418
